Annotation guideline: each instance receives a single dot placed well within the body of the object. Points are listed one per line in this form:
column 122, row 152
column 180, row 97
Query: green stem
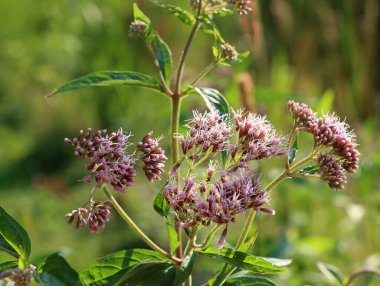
column 136, row 229
column 361, row 272
column 294, row 129
column 204, row 72
column 9, row 252
column 211, row 235
column 216, row 7
column 186, row 50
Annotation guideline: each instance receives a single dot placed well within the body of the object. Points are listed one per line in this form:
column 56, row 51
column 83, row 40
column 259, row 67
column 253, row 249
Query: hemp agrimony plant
column 209, row 181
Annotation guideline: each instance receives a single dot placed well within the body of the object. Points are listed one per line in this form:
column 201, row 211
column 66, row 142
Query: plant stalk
column 136, row 229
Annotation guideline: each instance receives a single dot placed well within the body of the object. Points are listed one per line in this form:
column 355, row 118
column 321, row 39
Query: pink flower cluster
column 242, row 6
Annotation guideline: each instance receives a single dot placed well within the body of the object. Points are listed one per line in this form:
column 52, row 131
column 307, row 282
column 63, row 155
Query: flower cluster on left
column 109, row 163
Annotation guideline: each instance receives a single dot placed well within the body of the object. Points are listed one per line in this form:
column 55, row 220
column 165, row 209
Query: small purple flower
column 208, row 131
column 242, row 6
column 332, row 171
column 81, row 215
column 99, row 215
column 154, row 157
column 303, row 116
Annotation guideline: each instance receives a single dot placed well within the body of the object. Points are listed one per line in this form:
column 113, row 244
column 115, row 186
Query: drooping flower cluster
column 154, row 157
column 219, row 201
column 242, row 6
column 96, row 217
column 207, row 131
column 332, row 135
column 257, row 137
column 109, row 162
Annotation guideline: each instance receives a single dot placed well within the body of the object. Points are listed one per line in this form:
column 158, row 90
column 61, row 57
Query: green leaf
column 243, row 260
column 164, row 57
column 185, row 269
column 281, row 262
column 6, row 247
column 8, row 265
column 294, row 149
column 331, row 272
column 55, row 271
column 138, row 15
column 173, row 237
column 214, row 99
column 148, row 274
column 310, row 169
column 14, row 236
column 160, row 205
column 109, row 270
column 110, row 78
column 185, row 16
column 247, row 246
column 243, row 279
column 208, row 26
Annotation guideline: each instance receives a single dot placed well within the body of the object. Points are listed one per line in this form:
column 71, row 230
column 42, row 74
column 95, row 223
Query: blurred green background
column 325, row 53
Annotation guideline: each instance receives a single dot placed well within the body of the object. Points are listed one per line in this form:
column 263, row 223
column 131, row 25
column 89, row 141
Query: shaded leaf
column 243, row 260
column 214, row 99
column 55, row 271
column 331, row 272
column 8, row 265
column 310, row 169
column 109, row 270
column 243, row 279
column 14, row 236
column 110, row 78
column 185, row 269
column 160, row 205
column 294, row 149
column 185, row 16
column 173, row 237
column 164, row 57
column 149, row 273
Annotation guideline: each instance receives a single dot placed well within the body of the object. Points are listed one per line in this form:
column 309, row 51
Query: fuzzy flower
column 137, row 29
column 303, row 116
column 21, row 277
column 108, row 161
column 242, row 6
column 258, row 137
column 154, row 157
column 81, row 215
column 228, row 52
column 99, row 215
column 331, row 171
column 208, row 130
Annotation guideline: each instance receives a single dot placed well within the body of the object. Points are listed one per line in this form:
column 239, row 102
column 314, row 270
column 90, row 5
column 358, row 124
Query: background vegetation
column 325, row 53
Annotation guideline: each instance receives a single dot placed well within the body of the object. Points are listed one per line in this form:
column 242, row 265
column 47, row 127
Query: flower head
column 154, row 157
column 99, row 215
column 303, row 116
column 331, row 171
column 137, row 28
column 228, row 52
column 207, row 131
column 21, row 277
column 242, row 6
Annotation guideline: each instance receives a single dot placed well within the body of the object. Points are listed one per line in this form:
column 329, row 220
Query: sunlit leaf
column 331, row 272
column 14, row 236
column 110, row 78
column 214, row 99
column 138, row 15
column 8, row 265
column 310, row 169
column 164, row 57
column 55, row 271
column 243, row 279
column 243, row 260
column 109, row 270
column 185, row 16
column 160, row 205
column 185, row 269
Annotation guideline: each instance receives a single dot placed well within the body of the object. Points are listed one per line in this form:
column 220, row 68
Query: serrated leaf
column 185, row 16
column 173, row 237
column 214, row 99
column 243, row 260
column 8, row 265
column 148, row 274
column 185, row 269
column 55, row 271
column 110, row 78
column 294, row 149
column 164, row 57
column 331, row 272
column 109, row 270
column 310, row 169
column 14, row 236
column 160, row 205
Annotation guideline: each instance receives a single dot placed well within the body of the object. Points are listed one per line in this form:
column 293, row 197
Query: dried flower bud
column 331, row 171
column 154, row 157
column 228, row 52
column 137, row 28
column 242, row 6
column 21, row 277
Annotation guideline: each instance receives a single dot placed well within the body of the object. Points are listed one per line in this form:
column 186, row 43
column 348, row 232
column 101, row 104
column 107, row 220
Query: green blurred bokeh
column 324, row 53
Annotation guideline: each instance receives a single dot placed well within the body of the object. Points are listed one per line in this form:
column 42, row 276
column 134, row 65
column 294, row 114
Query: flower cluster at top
column 334, row 143
column 110, row 164
column 242, row 6
column 225, row 191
